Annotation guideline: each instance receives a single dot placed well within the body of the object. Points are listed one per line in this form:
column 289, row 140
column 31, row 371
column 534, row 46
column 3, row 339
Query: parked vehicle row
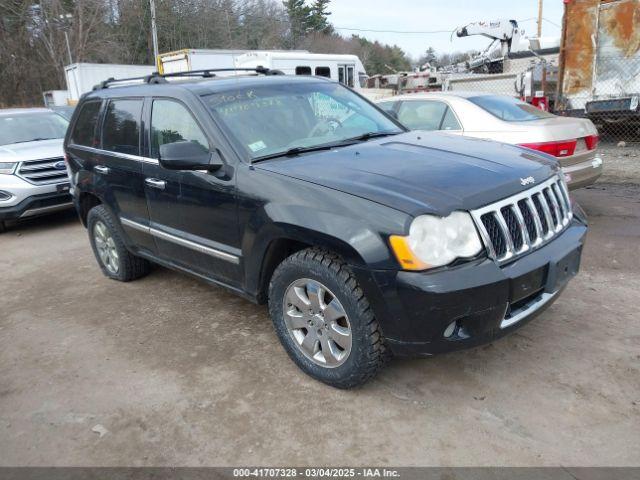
column 33, row 174
column 364, row 238
column 572, row 141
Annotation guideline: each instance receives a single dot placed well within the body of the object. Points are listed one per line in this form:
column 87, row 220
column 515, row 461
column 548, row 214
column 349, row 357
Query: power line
column 426, row 32
column 392, row 31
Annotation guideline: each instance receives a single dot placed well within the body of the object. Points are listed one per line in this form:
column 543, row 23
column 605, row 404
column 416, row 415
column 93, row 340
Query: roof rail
column 156, row 78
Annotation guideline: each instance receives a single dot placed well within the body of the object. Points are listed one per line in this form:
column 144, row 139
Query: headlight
column 436, row 241
column 7, row 167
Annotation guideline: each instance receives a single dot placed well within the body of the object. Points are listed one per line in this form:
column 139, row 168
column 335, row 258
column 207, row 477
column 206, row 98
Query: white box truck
column 188, row 60
column 82, row 77
column 55, row 98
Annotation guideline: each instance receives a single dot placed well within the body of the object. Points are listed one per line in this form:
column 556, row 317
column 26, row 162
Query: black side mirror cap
column 184, row 155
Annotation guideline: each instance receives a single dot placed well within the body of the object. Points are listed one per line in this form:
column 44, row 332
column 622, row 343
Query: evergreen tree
column 299, row 20
column 320, row 16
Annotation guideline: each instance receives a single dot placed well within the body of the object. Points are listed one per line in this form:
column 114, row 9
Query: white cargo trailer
column 82, row 77
column 346, row 69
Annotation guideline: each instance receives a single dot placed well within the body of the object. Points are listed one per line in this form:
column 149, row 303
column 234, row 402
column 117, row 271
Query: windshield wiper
column 292, row 152
column 370, row 135
column 326, row 146
column 35, row 140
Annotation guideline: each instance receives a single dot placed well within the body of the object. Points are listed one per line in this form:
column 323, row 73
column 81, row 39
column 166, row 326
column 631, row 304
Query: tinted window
column 323, row 72
column 509, row 109
column 172, row 122
column 303, row 70
column 450, row 122
column 121, row 129
column 85, row 127
column 269, row 119
column 422, row 115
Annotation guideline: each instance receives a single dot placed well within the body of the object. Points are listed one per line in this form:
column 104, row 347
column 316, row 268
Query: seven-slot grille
column 43, row 171
column 524, row 221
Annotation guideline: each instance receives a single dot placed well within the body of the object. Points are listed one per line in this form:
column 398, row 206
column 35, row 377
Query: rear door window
column 172, row 122
column 303, row 70
column 121, row 127
column 389, row 107
column 84, row 130
column 422, row 115
column 450, row 122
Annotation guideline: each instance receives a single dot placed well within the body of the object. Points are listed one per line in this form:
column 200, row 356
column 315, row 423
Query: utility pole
column 540, row 18
column 154, row 32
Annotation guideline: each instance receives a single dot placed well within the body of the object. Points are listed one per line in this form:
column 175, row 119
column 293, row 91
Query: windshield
column 509, row 109
column 271, row 119
column 29, row 127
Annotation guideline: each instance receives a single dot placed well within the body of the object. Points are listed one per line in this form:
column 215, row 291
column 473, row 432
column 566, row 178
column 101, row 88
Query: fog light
column 450, row 329
column 4, row 195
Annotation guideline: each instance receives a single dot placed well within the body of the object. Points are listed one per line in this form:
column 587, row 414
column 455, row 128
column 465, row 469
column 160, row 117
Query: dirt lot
column 170, row 371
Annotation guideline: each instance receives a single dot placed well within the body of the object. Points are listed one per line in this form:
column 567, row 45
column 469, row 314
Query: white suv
column 33, row 174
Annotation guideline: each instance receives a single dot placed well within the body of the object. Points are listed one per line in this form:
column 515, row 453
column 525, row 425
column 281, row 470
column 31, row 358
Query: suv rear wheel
column 113, row 257
column 324, row 320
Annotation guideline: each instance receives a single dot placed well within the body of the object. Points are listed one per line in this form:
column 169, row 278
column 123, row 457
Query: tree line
column 34, row 51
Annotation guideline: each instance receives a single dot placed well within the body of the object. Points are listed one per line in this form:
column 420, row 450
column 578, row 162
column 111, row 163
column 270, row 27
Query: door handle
column 155, row 183
column 101, row 169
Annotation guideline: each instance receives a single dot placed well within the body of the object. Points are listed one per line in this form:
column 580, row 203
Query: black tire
column 130, row 267
column 368, row 352
column 3, row 227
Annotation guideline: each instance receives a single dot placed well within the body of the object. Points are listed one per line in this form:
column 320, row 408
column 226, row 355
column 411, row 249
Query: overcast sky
column 430, row 15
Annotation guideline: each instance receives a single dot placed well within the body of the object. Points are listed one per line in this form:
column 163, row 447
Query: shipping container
column 600, row 61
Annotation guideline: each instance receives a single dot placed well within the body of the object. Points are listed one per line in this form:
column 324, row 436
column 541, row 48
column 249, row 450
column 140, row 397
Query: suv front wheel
column 324, row 320
column 108, row 246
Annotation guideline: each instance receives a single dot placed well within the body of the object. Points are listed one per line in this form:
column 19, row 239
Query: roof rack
column 157, row 78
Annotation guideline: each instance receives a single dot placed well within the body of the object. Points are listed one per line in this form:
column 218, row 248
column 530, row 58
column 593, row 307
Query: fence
column 607, row 91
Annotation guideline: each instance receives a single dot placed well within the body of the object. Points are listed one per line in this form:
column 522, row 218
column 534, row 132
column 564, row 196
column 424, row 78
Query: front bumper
column 417, row 310
column 37, row 205
column 28, row 200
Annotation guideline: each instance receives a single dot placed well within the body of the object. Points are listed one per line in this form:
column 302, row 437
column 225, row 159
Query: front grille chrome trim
column 551, row 196
column 42, row 171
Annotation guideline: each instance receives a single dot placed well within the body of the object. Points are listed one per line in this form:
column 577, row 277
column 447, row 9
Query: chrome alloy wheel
column 317, row 322
column 106, row 247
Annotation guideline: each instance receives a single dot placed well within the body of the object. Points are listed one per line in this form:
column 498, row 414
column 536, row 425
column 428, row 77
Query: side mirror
column 185, row 155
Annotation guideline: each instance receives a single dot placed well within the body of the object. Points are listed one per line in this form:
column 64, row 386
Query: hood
column 418, row 172
column 20, row 152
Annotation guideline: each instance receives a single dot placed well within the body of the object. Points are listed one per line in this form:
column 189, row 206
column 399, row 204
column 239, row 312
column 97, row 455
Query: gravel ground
column 621, row 163
column 170, row 371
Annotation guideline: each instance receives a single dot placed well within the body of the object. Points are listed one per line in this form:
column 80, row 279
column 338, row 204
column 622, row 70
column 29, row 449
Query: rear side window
column 509, row 109
column 450, row 122
column 121, row 128
column 85, row 127
column 417, row 115
column 172, row 122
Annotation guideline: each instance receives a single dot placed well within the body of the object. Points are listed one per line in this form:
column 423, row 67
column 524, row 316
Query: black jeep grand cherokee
column 364, row 239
